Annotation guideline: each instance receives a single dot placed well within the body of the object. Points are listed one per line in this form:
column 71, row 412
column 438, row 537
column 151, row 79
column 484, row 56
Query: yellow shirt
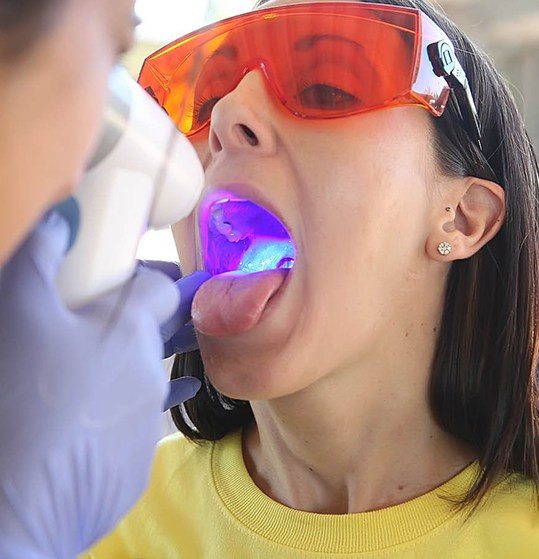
column 202, row 504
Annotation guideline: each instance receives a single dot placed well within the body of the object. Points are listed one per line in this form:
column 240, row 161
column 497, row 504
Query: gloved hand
column 178, row 333
column 81, row 396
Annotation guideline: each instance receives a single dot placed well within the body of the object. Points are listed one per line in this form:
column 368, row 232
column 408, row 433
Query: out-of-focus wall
column 135, row 57
column 509, row 32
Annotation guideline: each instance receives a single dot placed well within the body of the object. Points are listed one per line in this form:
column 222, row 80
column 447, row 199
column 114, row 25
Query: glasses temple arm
column 446, row 64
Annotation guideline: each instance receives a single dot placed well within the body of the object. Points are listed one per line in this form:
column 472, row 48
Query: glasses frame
column 158, row 68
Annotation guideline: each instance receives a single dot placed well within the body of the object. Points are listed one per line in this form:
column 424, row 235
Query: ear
column 473, row 214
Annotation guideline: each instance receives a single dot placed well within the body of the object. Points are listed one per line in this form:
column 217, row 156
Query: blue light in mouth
column 267, row 254
column 239, row 235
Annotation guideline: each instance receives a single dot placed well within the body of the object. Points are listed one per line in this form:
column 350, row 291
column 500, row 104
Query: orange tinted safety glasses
column 320, row 60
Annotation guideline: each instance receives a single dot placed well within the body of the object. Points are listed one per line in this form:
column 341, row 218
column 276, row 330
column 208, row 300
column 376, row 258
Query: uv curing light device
column 143, row 174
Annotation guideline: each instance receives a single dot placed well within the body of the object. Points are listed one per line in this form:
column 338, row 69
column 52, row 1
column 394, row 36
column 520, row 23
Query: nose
column 242, row 121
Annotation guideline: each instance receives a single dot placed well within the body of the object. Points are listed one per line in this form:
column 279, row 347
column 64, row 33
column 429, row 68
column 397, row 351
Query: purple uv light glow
column 239, row 235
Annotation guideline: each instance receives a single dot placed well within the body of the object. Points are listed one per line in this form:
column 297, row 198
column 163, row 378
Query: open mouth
column 249, row 253
column 238, row 235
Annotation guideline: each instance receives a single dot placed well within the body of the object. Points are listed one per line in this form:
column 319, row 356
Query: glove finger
column 153, row 292
column 37, row 261
column 171, row 269
column 187, row 288
column 181, row 390
column 183, row 341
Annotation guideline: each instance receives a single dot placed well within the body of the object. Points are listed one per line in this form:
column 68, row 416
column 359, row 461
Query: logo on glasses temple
column 446, row 57
column 445, row 64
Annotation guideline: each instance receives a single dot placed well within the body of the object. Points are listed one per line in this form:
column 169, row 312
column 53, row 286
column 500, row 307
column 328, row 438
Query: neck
column 358, row 439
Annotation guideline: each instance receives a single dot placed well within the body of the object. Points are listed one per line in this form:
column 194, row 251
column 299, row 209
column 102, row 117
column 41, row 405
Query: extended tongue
column 233, row 303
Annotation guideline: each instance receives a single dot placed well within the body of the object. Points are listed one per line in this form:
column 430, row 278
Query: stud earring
column 445, row 248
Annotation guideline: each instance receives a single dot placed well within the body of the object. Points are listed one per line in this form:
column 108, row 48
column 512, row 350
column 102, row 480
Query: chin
column 258, row 376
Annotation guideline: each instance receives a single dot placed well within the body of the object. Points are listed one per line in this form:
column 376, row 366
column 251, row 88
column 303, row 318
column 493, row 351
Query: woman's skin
column 51, row 103
column 337, row 370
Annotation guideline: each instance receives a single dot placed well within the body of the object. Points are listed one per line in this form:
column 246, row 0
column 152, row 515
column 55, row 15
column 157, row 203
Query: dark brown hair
column 484, row 377
column 21, row 21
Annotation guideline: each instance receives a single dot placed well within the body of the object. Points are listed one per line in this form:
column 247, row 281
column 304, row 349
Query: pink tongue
column 233, row 303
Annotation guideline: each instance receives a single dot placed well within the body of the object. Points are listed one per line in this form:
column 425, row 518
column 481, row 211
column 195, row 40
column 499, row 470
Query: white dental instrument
column 144, row 174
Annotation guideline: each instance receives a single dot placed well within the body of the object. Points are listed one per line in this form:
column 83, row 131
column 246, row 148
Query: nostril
column 215, row 143
column 249, row 134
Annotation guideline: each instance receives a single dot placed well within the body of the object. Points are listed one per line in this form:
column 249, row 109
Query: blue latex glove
column 178, row 333
column 81, row 396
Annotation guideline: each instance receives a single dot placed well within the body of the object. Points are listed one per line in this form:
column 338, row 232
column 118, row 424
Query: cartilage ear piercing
column 445, row 248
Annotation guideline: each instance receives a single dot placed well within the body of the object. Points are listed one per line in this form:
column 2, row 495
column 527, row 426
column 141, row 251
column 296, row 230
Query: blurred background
column 507, row 30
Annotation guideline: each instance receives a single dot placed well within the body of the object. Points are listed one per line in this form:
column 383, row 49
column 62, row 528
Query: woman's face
column 52, row 101
column 357, row 194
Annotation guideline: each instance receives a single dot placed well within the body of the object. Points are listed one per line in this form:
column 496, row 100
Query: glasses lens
column 320, row 61
column 353, row 66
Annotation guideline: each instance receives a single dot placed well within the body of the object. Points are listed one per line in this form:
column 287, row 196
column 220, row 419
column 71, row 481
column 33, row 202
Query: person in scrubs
column 69, row 381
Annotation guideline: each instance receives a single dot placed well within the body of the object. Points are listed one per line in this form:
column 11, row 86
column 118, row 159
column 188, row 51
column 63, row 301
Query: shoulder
column 178, row 460
column 178, row 495
column 510, row 517
column 177, row 451
column 186, row 464
column 515, row 495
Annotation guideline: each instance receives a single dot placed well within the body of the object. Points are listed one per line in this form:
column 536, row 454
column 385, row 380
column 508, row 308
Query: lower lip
column 277, row 298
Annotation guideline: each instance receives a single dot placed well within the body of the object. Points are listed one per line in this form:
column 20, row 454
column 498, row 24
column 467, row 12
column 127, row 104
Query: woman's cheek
column 186, row 244
column 202, row 149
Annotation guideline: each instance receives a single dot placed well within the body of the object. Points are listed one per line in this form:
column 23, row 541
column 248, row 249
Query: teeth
column 217, row 213
column 224, row 227
column 286, row 263
column 234, row 235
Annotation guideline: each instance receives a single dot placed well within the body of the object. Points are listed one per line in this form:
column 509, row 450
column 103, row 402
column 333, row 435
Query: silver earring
column 445, row 248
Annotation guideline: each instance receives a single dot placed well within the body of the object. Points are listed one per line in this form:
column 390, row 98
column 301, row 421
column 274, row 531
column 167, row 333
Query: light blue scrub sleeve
column 81, row 397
